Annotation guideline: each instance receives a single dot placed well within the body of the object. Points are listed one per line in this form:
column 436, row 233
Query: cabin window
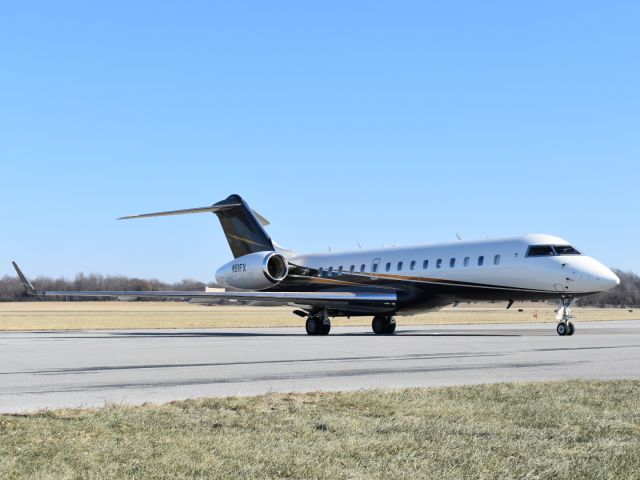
column 452, row 263
column 320, row 272
column 565, row 250
column 340, row 270
column 399, row 266
column 352, row 269
column 466, row 261
column 387, row 267
column 374, row 267
column 412, row 265
column 330, row 271
column 481, row 260
column 496, row 260
column 540, row 251
column 362, row 267
column 425, row 264
column 439, row 263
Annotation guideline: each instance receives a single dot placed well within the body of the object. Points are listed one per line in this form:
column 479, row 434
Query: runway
column 90, row 368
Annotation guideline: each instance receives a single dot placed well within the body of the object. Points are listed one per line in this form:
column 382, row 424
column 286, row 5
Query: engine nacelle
column 255, row 271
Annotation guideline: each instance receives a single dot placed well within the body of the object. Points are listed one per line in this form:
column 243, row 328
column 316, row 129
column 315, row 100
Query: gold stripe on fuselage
column 444, row 281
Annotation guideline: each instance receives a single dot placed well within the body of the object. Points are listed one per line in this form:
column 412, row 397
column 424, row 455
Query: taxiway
column 91, row 368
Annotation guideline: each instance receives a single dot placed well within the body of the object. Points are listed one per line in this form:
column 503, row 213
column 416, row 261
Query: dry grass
column 125, row 315
column 568, row 430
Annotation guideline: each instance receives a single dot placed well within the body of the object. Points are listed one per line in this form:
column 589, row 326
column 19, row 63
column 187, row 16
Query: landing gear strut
column 565, row 327
column 318, row 324
column 383, row 325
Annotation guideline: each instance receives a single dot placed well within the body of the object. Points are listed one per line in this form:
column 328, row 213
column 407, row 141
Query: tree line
column 11, row 290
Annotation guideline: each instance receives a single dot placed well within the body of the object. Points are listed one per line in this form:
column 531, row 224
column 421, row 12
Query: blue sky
column 341, row 122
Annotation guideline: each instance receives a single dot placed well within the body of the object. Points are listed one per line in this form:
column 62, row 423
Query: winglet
column 25, row 283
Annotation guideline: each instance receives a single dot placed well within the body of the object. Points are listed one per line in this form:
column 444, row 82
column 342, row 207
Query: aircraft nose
column 610, row 280
column 590, row 275
column 605, row 278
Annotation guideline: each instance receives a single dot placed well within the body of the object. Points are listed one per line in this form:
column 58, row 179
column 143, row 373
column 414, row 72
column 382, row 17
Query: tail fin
column 241, row 225
column 242, row 228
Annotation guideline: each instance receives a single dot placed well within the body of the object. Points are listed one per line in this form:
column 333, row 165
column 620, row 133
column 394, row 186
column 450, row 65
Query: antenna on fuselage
column 359, row 246
column 458, row 236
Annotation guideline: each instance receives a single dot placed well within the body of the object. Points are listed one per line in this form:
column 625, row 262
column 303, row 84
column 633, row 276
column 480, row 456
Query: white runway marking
column 90, row 368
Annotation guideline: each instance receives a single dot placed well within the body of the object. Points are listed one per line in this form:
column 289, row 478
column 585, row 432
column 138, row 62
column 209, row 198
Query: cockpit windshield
column 540, row 251
column 551, row 250
column 565, row 250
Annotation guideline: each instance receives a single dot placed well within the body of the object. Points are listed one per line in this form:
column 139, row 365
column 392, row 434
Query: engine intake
column 254, row 271
column 277, row 268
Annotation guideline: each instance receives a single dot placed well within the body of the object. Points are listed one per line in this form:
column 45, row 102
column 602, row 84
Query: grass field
column 569, row 430
column 114, row 315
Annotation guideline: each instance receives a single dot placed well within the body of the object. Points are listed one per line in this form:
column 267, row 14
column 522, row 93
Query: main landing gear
column 383, row 325
column 565, row 327
column 318, row 324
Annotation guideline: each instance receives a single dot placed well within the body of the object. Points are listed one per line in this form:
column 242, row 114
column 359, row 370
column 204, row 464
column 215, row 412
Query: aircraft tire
column 562, row 329
column 383, row 325
column 572, row 329
column 378, row 325
column 324, row 329
column 313, row 325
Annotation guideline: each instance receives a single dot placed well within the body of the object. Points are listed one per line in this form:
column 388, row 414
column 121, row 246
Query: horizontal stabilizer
column 243, row 227
column 210, row 209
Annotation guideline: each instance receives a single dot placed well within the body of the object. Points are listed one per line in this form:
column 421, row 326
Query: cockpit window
column 540, row 251
column 565, row 250
column 550, row 250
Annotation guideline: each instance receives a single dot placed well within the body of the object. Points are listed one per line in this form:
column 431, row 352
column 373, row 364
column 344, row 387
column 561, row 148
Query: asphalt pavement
column 92, row 368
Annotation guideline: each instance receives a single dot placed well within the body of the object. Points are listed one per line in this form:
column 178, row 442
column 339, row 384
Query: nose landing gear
column 565, row 327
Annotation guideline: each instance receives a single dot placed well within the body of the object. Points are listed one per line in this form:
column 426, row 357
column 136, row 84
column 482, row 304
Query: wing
column 347, row 301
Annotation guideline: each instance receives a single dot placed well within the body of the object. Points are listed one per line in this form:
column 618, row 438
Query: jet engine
column 254, row 271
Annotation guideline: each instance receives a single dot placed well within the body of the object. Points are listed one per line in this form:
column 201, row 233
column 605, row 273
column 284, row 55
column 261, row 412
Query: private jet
column 386, row 282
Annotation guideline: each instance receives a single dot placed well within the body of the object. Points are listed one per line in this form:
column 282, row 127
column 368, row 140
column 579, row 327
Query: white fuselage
column 499, row 264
